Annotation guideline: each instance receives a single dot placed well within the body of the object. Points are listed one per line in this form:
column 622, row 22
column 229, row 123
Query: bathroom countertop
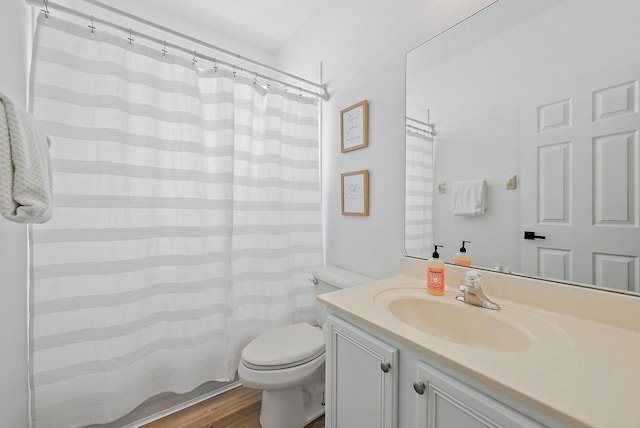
column 581, row 366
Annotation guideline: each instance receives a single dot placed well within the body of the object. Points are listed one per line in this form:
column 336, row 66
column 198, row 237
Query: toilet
column 287, row 362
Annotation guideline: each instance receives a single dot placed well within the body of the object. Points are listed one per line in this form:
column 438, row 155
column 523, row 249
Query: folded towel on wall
column 469, row 197
column 25, row 166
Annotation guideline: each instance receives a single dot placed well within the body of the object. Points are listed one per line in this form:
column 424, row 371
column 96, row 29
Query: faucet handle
column 463, row 288
column 472, row 278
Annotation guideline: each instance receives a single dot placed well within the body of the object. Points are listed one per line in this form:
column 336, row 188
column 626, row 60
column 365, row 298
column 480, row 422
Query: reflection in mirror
column 418, row 187
column 538, row 98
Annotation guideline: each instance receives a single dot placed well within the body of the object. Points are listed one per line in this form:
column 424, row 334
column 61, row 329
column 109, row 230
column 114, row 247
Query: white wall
column 15, row 30
column 362, row 46
column 152, row 11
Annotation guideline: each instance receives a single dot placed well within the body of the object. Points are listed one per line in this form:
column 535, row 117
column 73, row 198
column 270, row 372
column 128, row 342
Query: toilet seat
column 284, row 347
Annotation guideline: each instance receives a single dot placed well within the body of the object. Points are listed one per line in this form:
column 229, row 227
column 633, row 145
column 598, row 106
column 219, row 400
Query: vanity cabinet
column 444, row 401
column 374, row 380
column 361, row 378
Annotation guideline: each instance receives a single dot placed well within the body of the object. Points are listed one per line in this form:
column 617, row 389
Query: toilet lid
column 283, row 347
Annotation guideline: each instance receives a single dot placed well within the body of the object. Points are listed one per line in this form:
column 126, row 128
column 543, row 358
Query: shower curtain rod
column 47, row 6
column 416, row 128
column 431, row 130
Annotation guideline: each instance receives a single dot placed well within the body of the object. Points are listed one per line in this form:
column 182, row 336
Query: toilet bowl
column 280, row 362
column 287, row 362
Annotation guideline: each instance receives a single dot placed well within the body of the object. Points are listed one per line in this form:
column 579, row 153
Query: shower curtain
column 186, row 221
column 418, row 222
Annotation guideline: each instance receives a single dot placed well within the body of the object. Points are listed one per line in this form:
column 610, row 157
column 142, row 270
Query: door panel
column 554, row 263
column 554, row 183
column 361, row 378
column 448, row 403
column 613, row 177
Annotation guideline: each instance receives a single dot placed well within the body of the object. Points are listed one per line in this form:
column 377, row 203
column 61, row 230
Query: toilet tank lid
column 339, row 277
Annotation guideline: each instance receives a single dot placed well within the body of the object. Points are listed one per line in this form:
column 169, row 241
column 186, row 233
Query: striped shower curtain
column 418, row 221
column 186, row 219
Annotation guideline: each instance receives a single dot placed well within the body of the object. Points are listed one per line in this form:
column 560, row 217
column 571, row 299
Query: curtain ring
column 269, row 83
column 195, row 57
column 215, row 65
column 130, row 38
column 92, row 26
column 46, row 9
column 255, row 78
column 164, row 48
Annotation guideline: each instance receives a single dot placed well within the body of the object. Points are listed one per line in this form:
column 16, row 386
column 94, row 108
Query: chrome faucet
column 472, row 293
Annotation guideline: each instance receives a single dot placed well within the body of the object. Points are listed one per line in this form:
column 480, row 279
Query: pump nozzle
column 462, row 249
column 435, row 254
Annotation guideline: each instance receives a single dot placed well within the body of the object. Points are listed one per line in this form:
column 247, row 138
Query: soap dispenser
column 435, row 273
column 461, row 257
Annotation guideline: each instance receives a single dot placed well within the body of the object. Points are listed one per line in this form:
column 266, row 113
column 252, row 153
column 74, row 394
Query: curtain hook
column 285, row 88
column 92, row 26
column 255, row 78
column 130, row 38
column 215, row 65
column 234, row 71
column 164, row 48
column 46, row 9
column 300, row 92
column 195, row 57
column 269, row 83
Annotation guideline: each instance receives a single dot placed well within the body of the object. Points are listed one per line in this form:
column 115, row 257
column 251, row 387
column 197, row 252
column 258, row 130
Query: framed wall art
column 355, row 193
column 354, row 126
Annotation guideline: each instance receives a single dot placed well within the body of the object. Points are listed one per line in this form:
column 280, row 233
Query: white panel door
column 580, row 163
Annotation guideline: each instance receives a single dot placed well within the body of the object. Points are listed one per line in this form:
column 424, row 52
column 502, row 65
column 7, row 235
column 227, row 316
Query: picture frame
column 354, row 126
column 355, row 193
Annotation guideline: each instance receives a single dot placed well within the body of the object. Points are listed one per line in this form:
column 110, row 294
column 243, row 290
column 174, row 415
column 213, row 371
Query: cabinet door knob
column 385, row 366
column 419, row 387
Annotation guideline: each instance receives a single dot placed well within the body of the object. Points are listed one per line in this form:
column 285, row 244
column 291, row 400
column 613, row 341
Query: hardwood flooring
column 238, row 408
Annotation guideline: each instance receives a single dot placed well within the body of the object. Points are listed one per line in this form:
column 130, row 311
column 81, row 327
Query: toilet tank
column 331, row 278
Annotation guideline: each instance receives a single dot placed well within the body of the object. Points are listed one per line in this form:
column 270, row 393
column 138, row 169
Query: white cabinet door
column 362, row 378
column 444, row 402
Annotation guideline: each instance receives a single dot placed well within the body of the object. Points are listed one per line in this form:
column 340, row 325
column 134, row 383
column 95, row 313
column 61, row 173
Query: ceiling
column 266, row 24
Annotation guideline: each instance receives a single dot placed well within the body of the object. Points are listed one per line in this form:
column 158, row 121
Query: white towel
column 25, row 166
column 469, row 197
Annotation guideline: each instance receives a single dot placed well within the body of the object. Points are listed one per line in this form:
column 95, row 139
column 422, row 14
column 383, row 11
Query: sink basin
column 449, row 319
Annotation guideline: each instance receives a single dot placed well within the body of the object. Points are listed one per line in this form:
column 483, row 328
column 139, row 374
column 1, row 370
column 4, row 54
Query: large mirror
column 524, row 119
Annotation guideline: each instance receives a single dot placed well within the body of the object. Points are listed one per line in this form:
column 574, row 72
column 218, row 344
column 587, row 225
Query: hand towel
column 25, row 166
column 469, row 197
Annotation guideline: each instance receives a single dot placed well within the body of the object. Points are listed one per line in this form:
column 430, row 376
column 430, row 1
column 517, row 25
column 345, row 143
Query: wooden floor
column 238, row 408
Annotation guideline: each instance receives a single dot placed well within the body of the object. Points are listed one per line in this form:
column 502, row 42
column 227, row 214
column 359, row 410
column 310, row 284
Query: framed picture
column 354, row 126
column 355, row 193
